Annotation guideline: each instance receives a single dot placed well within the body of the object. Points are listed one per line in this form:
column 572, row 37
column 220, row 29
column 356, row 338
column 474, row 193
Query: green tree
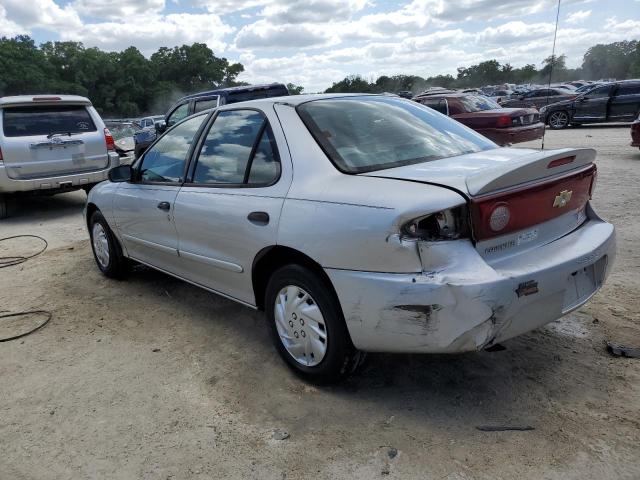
column 294, row 89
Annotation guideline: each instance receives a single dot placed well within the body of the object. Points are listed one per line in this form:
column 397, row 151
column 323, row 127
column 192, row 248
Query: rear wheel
column 106, row 249
column 558, row 120
column 307, row 326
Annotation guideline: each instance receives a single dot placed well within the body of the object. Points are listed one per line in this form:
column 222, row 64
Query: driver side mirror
column 161, row 127
column 121, row 173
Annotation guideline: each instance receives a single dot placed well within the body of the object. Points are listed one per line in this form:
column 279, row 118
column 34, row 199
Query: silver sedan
column 359, row 223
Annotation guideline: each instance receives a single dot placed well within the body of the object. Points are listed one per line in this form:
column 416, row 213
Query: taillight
column 504, row 121
column 448, row 224
column 108, row 138
column 560, row 161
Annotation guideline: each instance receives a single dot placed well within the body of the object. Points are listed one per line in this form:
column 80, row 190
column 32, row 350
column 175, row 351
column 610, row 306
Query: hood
column 484, row 172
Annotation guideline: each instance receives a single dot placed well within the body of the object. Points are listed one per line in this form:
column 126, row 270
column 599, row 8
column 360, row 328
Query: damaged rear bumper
column 469, row 304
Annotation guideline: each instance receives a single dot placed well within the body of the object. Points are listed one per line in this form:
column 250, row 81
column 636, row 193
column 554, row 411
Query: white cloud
column 117, row 9
column 41, row 14
column 578, row 16
column 263, row 34
column 8, row 28
column 156, row 31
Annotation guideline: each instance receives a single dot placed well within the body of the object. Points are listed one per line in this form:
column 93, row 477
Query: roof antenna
column 553, row 61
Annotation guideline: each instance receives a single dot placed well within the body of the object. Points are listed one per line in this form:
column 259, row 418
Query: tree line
column 618, row 60
column 122, row 83
column 128, row 84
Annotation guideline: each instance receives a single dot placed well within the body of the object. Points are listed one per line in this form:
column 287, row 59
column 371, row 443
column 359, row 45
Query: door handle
column 166, row 206
column 258, row 218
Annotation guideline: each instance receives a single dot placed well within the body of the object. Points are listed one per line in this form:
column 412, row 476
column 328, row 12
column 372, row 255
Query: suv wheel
column 106, row 249
column 307, row 326
column 558, row 119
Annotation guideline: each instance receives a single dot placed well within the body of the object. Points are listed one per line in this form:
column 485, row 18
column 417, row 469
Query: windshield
column 476, row 103
column 366, row 133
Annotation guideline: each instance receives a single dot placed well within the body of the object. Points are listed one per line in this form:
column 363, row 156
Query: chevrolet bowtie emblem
column 562, row 199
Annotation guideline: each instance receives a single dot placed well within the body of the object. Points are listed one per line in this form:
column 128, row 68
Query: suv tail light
column 448, row 224
column 108, row 138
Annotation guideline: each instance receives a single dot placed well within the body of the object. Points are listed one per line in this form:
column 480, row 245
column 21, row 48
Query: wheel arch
column 269, row 259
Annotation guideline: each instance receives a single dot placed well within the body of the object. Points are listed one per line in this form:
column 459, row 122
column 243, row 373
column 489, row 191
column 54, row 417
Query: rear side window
column 235, row 97
column 205, row 104
column 438, row 104
column 46, row 120
column 628, row 90
column 238, row 149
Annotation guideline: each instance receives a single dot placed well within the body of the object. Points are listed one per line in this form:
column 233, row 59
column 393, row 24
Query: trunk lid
column 51, row 138
column 518, row 198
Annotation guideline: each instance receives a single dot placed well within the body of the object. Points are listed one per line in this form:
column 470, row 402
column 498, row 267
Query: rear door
column 143, row 208
column 229, row 209
column 592, row 107
column 53, row 139
column 625, row 103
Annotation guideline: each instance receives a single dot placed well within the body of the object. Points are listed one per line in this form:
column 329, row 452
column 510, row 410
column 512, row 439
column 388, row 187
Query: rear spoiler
column 533, row 167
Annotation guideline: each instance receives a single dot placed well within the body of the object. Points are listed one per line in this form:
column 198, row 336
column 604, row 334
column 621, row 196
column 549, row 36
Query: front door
column 229, row 208
column 143, row 208
column 592, row 106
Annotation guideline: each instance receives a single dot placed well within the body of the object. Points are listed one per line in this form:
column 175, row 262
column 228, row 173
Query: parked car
column 612, row 102
column 51, row 144
column 359, row 223
column 150, row 122
column 204, row 100
column 123, row 133
column 500, row 95
column 502, row 125
column 538, row 98
column 405, row 94
column 635, row 132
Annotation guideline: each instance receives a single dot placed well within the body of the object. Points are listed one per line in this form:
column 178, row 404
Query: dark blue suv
column 198, row 102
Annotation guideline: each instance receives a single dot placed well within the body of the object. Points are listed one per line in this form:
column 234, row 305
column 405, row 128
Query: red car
column 635, row 133
column 502, row 125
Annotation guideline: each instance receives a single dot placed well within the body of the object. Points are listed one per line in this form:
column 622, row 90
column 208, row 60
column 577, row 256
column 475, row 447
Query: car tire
column 3, row 207
column 106, row 249
column 558, row 119
column 309, row 331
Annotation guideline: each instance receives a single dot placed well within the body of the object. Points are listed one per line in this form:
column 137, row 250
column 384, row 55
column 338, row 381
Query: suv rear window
column 367, row 133
column 45, row 120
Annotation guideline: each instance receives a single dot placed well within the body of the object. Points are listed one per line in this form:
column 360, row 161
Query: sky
column 314, row 43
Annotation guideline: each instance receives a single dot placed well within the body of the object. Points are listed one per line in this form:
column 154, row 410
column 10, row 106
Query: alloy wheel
column 558, row 119
column 300, row 325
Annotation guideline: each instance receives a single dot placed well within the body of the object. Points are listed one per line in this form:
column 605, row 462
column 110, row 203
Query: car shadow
column 30, row 208
column 512, row 386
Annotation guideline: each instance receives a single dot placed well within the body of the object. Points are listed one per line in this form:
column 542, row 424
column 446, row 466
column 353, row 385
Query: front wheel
column 558, row 119
column 307, row 326
column 106, row 249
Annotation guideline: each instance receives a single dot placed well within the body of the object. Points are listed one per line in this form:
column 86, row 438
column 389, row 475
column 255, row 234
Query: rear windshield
column 477, row 103
column 46, row 120
column 367, row 133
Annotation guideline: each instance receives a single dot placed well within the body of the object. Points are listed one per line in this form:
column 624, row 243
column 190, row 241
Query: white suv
column 52, row 144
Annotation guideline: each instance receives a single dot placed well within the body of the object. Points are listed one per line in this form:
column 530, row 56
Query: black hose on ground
column 17, row 260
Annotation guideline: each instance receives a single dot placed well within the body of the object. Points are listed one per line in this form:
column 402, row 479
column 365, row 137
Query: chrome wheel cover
column 558, row 119
column 300, row 325
column 100, row 245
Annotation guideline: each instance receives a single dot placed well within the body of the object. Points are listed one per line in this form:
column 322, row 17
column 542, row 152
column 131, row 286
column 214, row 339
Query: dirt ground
column 152, row 378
